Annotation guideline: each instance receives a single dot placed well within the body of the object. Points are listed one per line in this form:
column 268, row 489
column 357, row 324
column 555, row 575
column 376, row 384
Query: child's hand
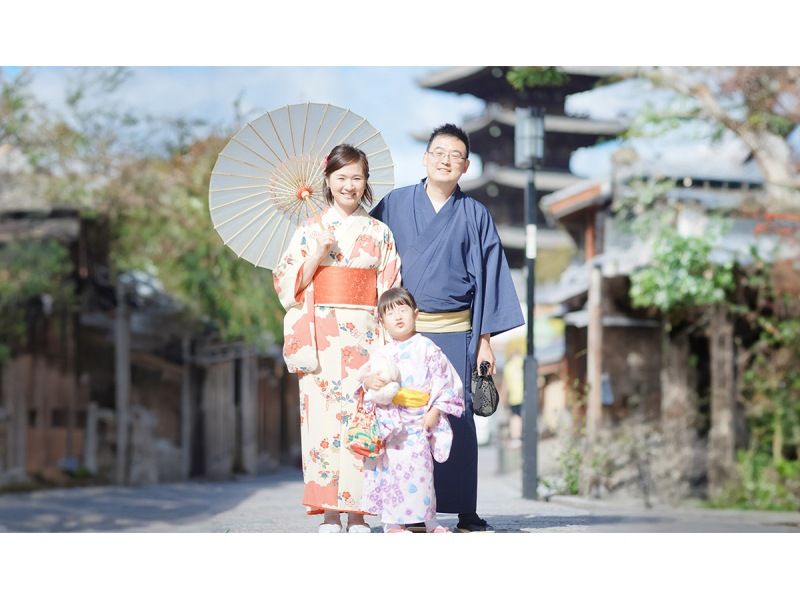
column 375, row 382
column 431, row 419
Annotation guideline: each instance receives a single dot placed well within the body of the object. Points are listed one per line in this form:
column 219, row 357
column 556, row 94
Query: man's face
column 445, row 161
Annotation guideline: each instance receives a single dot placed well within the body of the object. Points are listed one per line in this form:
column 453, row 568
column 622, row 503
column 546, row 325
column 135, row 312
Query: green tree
column 149, row 177
column 681, row 275
column 166, row 230
column 30, row 273
column 758, row 104
column 525, row 77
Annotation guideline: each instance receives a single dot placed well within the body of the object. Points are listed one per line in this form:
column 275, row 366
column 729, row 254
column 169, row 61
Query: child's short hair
column 393, row 298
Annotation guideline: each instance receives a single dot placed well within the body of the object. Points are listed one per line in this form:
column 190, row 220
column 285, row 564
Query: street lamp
column 528, row 154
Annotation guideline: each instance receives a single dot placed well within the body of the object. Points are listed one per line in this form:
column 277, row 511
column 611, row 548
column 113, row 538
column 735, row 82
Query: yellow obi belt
column 408, row 397
column 446, row 321
column 345, row 286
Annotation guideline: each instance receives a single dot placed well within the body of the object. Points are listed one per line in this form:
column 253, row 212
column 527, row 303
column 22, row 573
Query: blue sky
column 387, row 96
column 391, row 100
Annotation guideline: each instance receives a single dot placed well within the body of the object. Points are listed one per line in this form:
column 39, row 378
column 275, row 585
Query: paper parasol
column 268, row 179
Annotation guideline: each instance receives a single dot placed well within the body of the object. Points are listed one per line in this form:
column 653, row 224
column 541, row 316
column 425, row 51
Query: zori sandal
column 330, row 528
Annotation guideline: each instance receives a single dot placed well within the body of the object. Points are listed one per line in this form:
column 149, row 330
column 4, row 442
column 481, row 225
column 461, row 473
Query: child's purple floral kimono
column 398, row 485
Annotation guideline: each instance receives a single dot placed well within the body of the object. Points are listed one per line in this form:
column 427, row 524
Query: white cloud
column 619, row 100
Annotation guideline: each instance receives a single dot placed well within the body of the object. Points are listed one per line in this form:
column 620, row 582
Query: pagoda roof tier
column 492, row 136
column 513, row 237
column 489, row 83
column 505, row 119
column 507, row 206
column 548, row 242
column 495, row 114
column 515, row 178
column 502, row 191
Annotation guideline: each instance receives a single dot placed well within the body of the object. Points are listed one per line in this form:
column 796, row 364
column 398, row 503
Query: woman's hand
column 431, row 419
column 325, row 241
column 375, row 382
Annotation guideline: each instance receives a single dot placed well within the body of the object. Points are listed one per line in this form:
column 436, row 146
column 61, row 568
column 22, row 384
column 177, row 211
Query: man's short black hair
column 452, row 131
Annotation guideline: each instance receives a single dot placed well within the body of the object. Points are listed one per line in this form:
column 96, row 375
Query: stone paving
column 271, row 503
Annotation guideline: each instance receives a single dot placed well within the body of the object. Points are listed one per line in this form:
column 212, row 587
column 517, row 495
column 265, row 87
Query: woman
column 328, row 280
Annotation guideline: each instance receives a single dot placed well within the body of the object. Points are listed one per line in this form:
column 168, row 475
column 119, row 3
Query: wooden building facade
column 124, row 387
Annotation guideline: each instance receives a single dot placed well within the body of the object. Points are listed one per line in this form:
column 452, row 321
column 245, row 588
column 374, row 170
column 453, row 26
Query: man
column 453, row 263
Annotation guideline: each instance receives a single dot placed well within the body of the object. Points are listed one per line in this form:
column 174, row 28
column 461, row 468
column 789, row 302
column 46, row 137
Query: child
column 398, row 485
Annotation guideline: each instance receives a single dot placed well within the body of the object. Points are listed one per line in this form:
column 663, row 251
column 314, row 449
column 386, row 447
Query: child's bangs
column 396, row 303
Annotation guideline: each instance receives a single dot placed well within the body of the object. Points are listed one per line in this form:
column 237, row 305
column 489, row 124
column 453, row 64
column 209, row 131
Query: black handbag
column 484, row 393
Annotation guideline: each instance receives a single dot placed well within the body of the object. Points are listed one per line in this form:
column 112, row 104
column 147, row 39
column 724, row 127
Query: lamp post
column 529, row 153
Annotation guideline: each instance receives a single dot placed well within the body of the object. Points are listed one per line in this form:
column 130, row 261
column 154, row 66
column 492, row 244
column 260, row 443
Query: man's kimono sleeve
column 496, row 303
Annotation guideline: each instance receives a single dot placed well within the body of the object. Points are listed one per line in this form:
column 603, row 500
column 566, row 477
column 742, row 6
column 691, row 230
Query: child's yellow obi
column 408, row 397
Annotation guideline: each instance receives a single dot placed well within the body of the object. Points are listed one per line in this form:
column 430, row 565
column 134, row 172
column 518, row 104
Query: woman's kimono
column 326, row 344
column 399, row 483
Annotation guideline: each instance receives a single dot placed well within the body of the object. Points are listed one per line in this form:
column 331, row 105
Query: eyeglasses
column 455, row 156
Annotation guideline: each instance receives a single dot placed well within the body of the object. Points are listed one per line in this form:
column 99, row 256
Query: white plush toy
column 387, row 370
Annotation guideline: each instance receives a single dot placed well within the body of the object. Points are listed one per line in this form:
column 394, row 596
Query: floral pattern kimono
column 326, row 345
column 399, row 483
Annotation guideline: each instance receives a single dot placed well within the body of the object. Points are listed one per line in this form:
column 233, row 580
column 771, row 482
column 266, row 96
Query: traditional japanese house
column 121, row 385
column 628, row 360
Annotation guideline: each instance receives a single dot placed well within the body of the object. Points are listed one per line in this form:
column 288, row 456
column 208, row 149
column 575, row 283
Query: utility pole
column 122, row 376
column 528, row 152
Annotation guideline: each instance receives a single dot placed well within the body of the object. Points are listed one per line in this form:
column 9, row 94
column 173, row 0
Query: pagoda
column 501, row 186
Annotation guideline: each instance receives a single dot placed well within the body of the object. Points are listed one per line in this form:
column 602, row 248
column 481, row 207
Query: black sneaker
column 417, row 528
column 473, row 524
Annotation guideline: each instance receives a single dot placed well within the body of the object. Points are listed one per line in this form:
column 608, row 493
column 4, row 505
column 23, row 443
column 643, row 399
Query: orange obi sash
column 345, row 286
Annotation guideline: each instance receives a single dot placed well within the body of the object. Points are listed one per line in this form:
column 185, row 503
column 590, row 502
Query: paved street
column 270, row 503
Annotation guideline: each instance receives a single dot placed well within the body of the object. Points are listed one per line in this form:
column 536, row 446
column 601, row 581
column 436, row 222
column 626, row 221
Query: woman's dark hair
column 341, row 156
column 393, row 298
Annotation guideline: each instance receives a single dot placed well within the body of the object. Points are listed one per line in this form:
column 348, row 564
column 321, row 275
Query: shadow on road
column 527, row 523
column 113, row 508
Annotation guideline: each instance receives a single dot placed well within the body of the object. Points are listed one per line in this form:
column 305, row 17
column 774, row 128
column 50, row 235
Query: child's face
column 400, row 321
